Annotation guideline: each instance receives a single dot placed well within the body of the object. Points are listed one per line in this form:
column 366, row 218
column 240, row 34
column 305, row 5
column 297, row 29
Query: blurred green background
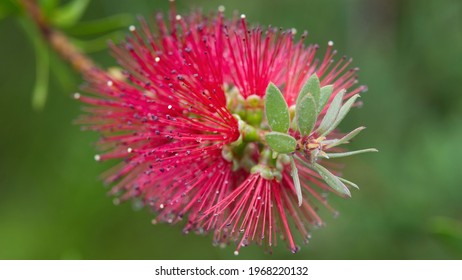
column 53, row 206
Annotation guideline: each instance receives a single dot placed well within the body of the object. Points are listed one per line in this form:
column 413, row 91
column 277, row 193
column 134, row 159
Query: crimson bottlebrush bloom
column 205, row 135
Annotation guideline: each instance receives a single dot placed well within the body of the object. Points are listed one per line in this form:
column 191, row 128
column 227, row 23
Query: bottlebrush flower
column 224, row 125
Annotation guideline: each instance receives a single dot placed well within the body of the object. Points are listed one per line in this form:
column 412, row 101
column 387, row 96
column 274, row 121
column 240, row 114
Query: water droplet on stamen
column 161, row 206
column 109, row 83
column 157, row 59
column 178, row 17
column 221, row 8
column 76, row 95
column 129, row 150
column 97, row 157
column 242, row 16
column 132, row 28
column 236, row 253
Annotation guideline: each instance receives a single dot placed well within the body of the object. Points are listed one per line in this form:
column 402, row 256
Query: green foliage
column 280, row 142
column 70, row 13
column 306, row 114
column 327, row 123
column 277, row 112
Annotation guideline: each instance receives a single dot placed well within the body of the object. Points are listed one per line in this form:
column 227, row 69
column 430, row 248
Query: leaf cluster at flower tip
column 307, row 132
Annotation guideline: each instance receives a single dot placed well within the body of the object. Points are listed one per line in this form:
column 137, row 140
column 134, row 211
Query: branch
column 58, row 41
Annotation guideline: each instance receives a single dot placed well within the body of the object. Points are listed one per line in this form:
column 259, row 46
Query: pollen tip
column 76, row 95
column 129, row 150
column 97, row 157
column 236, row 253
column 157, row 59
column 330, row 43
column 178, row 17
column 294, row 31
column 109, row 83
column 221, row 8
column 132, row 28
column 243, row 16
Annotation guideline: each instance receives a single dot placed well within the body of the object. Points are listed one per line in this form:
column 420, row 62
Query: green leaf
column 280, row 142
column 348, row 182
column 332, row 180
column 326, row 92
column 40, row 92
column 331, row 114
column 298, row 187
column 343, row 112
column 97, row 44
column 346, row 154
column 42, row 66
column 306, row 114
column 100, row 26
column 69, row 13
column 312, row 86
column 277, row 112
column 344, row 139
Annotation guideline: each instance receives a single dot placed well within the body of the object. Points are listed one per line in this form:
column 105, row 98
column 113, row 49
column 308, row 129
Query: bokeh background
column 53, row 206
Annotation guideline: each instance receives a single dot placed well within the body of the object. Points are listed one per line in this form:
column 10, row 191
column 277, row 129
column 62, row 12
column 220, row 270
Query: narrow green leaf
column 332, row 180
column 348, row 182
column 280, row 142
column 99, row 43
column 100, row 26
column 40, row 92
column 277, row 112
column 42, row 66
column 346, row 154
column 306, row 114
column 326, row 92
column 343, row 112
column 344, row 139
column 298, row 187
column 69, row 13
column 312, row 86
column 331, row 114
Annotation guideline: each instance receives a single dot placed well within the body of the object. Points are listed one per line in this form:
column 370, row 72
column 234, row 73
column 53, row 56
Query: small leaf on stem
column 294, row 174
column 331, row 114
column 311, row 86
column 344, row 139
column 306, row 114
column 332, row 180
column 277, row 111
column 346, row 154
column 343, row 112
column 280, row 142
column 326, row 92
